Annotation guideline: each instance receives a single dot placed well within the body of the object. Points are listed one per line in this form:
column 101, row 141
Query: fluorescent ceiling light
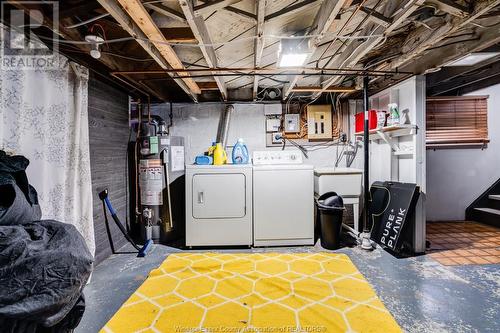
column 292, row 60
column 472, row 59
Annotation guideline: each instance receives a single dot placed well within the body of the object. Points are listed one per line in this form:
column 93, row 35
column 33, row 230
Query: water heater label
column 151, row 182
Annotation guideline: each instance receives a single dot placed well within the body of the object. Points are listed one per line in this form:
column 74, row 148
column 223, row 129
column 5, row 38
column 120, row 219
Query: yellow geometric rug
column 258, row 292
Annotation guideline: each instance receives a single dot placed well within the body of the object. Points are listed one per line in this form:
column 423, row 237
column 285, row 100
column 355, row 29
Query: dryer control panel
column 269, row 157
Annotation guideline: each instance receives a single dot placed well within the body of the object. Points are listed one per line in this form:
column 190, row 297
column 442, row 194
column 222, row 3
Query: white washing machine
column 283, row 199
column 218, row 205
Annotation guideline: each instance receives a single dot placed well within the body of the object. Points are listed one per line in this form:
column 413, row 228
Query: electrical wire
column 79, row 24
column 234, row 41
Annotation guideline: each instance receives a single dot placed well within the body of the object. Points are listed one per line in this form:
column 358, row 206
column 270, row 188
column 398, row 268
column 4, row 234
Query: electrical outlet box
column 292, row 123
column 319, row 122
column 276, row 138
column 273, row 124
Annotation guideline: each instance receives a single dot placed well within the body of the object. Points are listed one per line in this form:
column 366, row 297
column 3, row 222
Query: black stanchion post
column 365, row 236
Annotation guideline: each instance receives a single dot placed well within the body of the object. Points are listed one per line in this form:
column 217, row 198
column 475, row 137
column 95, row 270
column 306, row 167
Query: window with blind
column 457, row 121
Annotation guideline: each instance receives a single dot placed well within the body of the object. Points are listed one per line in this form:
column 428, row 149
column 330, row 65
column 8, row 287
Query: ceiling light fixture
column 472, row 59
column 95, row 41
column 293, row 52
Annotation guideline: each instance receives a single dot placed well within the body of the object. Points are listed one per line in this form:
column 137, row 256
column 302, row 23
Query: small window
column 457, row 121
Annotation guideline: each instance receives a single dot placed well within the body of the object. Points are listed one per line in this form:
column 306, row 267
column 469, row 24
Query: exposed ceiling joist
column 376, row 17
column 359, row 48
column 259, row 42
column 300, row 6
column 487, row 72
column 164, row 10
column 488, row 38
column 178, row 35
column 330, row 89
column 440, row 33
column 450, row 7
column 86, row 6
column 210, row 7
column 161, row 53
column 324, row 19
column 200, row 31
column 449, row 73
column 208, row 85
column 244, row 14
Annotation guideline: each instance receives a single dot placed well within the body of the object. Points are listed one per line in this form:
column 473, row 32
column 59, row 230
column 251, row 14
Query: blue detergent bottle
column 240, row 153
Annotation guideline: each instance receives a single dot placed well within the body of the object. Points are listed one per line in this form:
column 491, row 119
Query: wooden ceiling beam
column 166, row 11
column 179, row 35
column 293, row 9
column 200, row 31
column 479, row 75
column 84, row 7
column 444, row 55
column 210, row 7
column 376, row 17
column 242, row 13
column 134, row 19
column 450, row 7
column 357, row 49
column 330, row 89
column 208, row 85
column 322, row 22
column 260, row 6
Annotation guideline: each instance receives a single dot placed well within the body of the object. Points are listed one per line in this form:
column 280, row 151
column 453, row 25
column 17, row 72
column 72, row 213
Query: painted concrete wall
column 456, row 177
column 197, row 123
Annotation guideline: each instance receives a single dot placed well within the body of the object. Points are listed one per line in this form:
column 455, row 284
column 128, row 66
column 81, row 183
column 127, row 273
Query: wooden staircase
column 486, row 208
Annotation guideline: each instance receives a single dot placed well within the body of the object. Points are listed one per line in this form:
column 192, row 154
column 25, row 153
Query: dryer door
column 219, row 196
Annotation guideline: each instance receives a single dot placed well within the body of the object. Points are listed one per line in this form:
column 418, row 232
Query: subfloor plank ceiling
column 199, row 50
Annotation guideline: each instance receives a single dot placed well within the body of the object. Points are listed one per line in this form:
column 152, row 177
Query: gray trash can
column 330, row 211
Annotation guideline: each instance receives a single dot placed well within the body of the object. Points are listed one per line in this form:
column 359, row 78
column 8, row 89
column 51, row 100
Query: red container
column 360, row 120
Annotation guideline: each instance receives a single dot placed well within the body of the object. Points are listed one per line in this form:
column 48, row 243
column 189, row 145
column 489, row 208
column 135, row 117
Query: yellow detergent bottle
column 220, row 156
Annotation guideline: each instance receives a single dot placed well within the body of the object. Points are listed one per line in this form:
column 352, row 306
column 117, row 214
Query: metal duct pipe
column 223, row 130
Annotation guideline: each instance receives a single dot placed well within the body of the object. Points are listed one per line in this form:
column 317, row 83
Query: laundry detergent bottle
column 220, row 156
column 240, row 153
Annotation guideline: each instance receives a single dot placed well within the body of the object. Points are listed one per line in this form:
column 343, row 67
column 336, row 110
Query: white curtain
column 44, row 116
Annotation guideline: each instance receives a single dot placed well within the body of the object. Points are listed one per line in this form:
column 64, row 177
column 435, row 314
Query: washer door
column 219, row 196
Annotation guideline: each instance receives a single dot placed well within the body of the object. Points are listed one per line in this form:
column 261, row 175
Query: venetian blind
column 457, row 121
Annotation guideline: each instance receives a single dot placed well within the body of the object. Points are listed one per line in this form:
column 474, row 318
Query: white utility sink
column 345, row 181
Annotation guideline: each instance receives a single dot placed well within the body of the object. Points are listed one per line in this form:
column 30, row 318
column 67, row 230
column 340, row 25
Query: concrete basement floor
column 421, row 294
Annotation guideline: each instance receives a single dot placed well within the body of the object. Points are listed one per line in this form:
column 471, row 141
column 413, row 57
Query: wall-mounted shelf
column 390, row 131
column 403, row 153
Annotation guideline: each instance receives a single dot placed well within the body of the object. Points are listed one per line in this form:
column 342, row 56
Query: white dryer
column 283, row 199
column 218, row 205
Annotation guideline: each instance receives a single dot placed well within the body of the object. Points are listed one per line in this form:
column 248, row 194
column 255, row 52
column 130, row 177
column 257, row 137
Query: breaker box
column 319, row 122
column 292, row 123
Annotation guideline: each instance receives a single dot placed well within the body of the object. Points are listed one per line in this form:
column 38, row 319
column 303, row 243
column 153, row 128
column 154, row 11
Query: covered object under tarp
column 44, row 264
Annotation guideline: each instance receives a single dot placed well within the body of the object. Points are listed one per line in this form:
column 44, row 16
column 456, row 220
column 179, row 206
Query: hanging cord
column 170, row 117
column 149, row 110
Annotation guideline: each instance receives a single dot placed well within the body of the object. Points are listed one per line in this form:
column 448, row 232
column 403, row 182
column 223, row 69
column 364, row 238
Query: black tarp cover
column 44, row 265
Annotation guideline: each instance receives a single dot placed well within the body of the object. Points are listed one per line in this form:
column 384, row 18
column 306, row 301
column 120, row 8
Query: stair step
column 494, row 196
column 489, row 210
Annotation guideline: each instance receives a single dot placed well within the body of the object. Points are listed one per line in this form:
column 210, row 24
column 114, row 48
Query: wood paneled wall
column 109, row 133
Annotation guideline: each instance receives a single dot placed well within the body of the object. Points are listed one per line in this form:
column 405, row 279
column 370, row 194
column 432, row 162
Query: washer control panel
column 268, row 157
